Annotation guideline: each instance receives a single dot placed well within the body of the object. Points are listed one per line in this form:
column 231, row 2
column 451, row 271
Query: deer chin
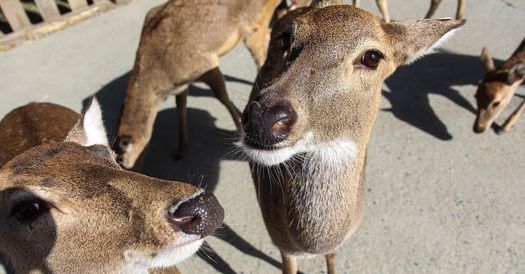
column 281, row 151
column 185, row 246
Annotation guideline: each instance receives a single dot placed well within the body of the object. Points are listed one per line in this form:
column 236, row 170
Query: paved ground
column 440, row 199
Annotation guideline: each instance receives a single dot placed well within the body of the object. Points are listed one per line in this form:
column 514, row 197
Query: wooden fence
column 54, row 15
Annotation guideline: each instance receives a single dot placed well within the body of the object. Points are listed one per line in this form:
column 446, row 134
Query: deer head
column 68, row 207
column 324, row 80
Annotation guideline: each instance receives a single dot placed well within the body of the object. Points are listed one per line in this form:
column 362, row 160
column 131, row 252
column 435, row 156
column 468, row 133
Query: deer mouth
column 276, row 154
column 183, row 248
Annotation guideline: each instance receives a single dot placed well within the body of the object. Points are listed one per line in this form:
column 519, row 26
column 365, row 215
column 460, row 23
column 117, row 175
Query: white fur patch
column 185, row 246
column 332, row 153
column 280, row 154
column 94, row 126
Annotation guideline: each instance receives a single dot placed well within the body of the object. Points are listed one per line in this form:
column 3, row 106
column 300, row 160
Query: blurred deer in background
column 181, row 43
column 68, row 207
column 497, row 88
column 308, row 122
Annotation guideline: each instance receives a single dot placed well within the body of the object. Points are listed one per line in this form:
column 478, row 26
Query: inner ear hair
column 516, row 73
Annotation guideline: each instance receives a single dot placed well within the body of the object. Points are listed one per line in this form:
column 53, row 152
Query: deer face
column 68, row 207
column 323, row 85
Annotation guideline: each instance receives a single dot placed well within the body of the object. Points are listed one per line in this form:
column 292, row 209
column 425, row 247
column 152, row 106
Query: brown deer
column 308, row 121
column 383, row 8
column 497, row 88
column 68, row 207
column 181, row 43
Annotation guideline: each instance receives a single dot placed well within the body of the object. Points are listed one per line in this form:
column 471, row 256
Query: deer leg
column 182, row 115
column 383, row 8
column 433, row 6
column 167, row 270
column 215, row 80
column 513, row 118
column 356, row 3
column 330, row 262
column 257, row 44
column 460, row 13
column 289, row 264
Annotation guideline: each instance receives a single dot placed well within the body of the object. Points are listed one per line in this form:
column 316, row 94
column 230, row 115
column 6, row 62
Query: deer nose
column 266, row 127
column 200, row 215
column 121, row 144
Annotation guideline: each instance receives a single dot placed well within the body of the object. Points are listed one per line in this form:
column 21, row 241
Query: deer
column 383, row 8
column 497, row 88
column 68, row 207
column 308, row 121
column 182, row 43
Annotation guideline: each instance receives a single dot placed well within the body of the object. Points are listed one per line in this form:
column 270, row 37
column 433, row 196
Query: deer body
column 68, row 207
column 182, row 42
column 308, row 122
column 33, row 125
column 497, row 88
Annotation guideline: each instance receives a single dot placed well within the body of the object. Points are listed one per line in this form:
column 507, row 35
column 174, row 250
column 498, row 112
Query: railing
column 25, row 20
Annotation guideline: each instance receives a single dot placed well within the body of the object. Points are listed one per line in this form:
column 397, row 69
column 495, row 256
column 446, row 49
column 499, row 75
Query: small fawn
column 308, row 122
column 497, row 88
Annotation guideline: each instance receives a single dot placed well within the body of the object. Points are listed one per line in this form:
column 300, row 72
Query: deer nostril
column 200, row 215
column 265, row 127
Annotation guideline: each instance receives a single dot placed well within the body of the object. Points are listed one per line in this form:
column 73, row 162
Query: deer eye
column 496, row 104
column 27, row 212
column 371, row 59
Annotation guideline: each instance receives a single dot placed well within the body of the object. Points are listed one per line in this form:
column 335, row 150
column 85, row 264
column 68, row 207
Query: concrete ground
column 440, row 199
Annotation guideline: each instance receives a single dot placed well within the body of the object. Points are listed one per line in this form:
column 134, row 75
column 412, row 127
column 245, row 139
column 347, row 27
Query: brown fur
column 182, row 42
column 98, row 216
column 32, row 125
column 495, row 91
column 313, row 201
column 383, row 7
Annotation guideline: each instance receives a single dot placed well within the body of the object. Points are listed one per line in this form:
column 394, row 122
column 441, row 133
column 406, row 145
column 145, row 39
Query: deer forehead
column 338, row 26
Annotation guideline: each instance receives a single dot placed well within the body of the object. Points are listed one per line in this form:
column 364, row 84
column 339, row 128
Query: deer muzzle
column 200, row 215
column 264, row 127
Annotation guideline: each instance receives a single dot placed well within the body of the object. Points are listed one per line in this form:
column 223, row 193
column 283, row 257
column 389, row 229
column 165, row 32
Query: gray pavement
column 440, row 199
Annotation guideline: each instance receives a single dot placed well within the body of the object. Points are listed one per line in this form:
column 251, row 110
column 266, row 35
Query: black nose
column 265, row 127
column 200, row 215
column 121, row 144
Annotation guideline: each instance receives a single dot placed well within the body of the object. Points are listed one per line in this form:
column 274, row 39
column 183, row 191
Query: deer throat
column 313, row 204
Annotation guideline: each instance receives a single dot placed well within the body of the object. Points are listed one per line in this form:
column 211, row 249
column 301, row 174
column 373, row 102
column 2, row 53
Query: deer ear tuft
column 89, row 130
column 516, row 73
column 415, row 38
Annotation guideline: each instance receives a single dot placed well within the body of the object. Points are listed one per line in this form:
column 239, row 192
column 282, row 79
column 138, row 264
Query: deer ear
column 413, row 39
column 89, row 130
column 516, row 73
column 486, row 60
column 325, row 3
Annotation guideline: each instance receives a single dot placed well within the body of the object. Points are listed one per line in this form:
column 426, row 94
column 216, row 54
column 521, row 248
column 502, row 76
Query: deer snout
column 265, row 127
column 122, row 144
column 200, row 215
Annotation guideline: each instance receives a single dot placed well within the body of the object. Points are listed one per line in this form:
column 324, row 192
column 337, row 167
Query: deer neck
column 317, row 195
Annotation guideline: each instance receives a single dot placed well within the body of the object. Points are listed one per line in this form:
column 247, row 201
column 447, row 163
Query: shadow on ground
column 436, row 74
